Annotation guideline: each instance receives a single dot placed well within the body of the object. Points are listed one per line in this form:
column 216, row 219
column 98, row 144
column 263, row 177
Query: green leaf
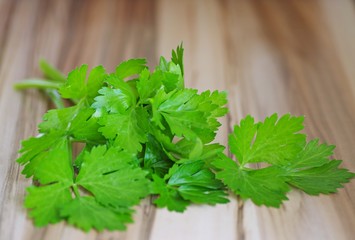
column 324, row 179
column 171, row 75
column 168, row 197
column 109, row 175
column 155, row 159
column 266, row 186
column 273, row 141
column 58, row 120
column 80, row 157
column 163, row 64
column 73, row 121
column 313, row 172
column 77, row 87
column 189, row 114
column 148, row 85
column 180, row 111
column 130, row 68
column 114, row 99
column 127, row 130
column 86, row 213
column 95, row 81
column 277, row 142
column 312, row 155
column 189, row 149
column 45, row 202
column 178, row 57
column 35, row 145
column 35, row 150
column 85, row 128
column 189, row 181
column 210, row 153
column 193, row 173
column 212, row 104
column 54, row 165
column 202, row 195
column 172, row 79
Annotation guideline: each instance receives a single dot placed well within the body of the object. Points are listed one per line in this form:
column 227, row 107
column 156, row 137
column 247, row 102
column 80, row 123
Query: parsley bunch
column 143, row 133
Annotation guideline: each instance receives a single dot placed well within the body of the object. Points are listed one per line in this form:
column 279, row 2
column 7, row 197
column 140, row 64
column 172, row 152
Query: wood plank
column 288, row 64
column 271, row 56
column 191, row 22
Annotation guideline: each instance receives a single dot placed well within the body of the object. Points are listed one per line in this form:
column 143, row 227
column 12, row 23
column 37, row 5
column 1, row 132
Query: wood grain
column 271, row 56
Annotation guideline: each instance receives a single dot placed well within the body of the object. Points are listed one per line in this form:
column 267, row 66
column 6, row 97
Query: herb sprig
column 145, row 134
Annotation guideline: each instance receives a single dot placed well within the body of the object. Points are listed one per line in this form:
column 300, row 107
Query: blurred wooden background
column 271, row 56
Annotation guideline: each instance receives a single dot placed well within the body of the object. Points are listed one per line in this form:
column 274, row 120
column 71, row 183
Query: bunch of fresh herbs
column 143, row 133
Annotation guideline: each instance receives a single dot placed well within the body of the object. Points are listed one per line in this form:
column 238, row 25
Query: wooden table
column 271, row 56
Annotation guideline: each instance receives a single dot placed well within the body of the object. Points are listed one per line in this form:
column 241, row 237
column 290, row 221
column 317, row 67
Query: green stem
column 36, row 83
column 55, row 97
column 51, row 72
column 70, row 155
column 76, row 190
column 102, row 142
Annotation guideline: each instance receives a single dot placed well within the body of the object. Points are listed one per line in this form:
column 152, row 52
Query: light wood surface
column 271, row 56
